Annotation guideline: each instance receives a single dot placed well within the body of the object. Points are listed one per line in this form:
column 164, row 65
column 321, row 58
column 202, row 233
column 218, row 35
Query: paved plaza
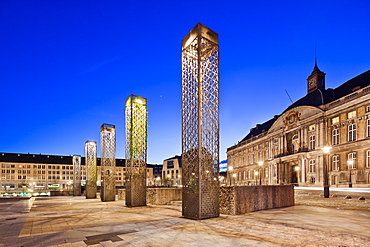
column 76, row 221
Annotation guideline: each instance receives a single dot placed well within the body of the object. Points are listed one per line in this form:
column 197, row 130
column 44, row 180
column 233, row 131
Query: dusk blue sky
column 66, row 67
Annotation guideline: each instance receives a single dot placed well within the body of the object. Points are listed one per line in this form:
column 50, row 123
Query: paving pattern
column 76, row 221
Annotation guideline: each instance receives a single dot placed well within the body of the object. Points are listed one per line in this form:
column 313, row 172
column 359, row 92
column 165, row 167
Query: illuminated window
column 335, row 136
column 351, row 114
column 335, row 120
column 312, row 166
column 335, row 160
column 352, row 132
column 352, row 159
column 311, row 127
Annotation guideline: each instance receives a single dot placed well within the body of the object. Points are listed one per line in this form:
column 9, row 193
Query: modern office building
column 172, row 171
column 288, row 147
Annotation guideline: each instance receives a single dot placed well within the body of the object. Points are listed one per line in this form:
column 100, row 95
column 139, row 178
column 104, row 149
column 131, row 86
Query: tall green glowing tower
column 200, row 123
column 136, row 150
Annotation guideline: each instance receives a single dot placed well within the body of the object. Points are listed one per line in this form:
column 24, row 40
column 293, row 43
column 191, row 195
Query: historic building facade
column 28, row 173
column 288, row 148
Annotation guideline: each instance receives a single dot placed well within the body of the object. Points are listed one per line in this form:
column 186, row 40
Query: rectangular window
column 368, row 128
column 351, row 160
column 335, row 163
column 335, row 136
column 368, row 158
column 335, row 120
column 312, row 142
column 351, row 114
column 352, row 132
column 368, row 108
column 170, row 164
column 312, row 166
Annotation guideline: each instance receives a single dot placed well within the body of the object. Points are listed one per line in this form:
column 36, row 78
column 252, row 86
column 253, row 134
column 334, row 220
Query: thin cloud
column 101, row 64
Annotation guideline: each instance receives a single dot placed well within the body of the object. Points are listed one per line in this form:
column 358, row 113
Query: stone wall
column 162, row 196
column 236, row 200
column 61, row 193
column 156, row 196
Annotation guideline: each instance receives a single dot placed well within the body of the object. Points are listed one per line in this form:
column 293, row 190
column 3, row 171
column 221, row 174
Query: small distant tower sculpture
column 91, row 170
column 200, row 123
column 136, row 147
column 76, row 162
column 108, row 162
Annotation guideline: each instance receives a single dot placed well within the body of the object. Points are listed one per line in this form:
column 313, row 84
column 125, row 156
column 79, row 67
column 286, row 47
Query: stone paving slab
column 76, row 221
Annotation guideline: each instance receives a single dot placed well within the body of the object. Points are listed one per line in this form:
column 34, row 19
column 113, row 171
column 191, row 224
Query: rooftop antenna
column 289, row 96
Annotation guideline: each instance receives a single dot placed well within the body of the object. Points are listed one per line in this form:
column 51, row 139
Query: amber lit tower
column 108, row 162
column 136, row 147
column 76, row 162
column 200, row 123
column 91, row 170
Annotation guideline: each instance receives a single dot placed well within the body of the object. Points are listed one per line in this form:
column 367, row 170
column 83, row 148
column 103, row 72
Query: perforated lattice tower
column 76, row 162
column 136, row 150
column 91, row 169
column 108, row 162
column 200, row 123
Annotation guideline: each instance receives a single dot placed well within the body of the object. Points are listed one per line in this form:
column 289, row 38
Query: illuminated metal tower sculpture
column 136, row 147
column 91, row 170
column 200, row 123
column 76, row 162
column 108, row 162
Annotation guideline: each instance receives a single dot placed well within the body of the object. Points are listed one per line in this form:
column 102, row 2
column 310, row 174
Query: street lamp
column 350, row 167
column 326, row 180
column 256, row 174
column 297, row 169
column 229, row 174
column 260, row 164
column 234, row 176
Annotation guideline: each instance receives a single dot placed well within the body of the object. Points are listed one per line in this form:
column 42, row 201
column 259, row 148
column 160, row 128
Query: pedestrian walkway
column 76, row 221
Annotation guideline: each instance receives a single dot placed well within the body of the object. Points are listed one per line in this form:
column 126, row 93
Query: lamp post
column 234, row 178
column 230, row 175
column 325, row 167
column 256, row 174
column 350, row 167
column 260, row 164
column 297, row 169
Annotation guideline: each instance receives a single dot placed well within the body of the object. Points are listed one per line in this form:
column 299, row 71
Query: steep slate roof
column 47, row 159
column 260, row 128
column 317, row 98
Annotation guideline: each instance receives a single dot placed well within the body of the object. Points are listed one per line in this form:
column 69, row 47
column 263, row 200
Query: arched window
column 295, row 143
